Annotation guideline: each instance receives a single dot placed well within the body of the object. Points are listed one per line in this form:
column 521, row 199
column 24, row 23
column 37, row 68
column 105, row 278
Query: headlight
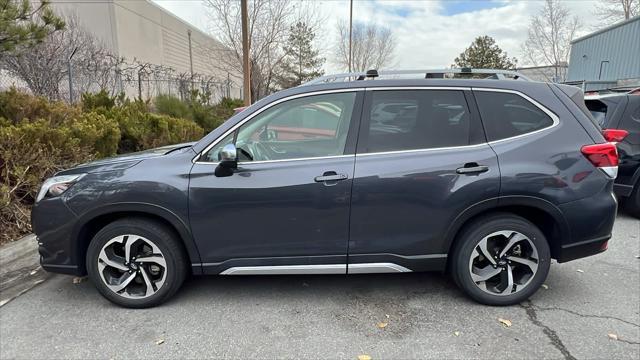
column 56, row 185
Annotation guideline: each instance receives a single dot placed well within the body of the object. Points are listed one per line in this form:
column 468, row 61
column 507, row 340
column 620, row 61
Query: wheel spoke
column 530, row 263
column 514, row 238
column 127, row 248
column 123, row 282
column 509, row 289
column 147, row 281
column 482, row 245
column 105, row 259
column 153, row 259
column 485, row 273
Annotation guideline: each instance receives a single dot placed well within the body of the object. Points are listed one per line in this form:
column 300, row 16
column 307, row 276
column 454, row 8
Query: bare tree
column 613, row 11
column 268, row 30
column 45, row 66
column 549, row 36
column 372, row 46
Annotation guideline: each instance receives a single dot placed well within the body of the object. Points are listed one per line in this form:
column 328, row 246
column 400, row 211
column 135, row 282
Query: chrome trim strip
column 283, row 160
column 376, row 268
column 422, row 150
column 234, row 127
column 287, row 270
column 409, row 257
column 551, row 114
column 459, row 88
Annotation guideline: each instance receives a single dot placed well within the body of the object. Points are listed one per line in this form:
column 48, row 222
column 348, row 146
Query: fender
column 505, row 201
column 141, row 208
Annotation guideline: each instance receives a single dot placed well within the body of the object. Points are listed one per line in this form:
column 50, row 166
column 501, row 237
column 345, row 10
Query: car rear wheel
column 136, row 263
column 501, row 259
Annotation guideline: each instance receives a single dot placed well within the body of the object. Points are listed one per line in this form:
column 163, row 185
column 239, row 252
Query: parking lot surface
column 589, row 308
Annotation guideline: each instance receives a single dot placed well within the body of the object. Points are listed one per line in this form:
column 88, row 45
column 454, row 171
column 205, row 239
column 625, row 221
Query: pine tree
column 22, row 25
column 483, row 53
column 301, row 62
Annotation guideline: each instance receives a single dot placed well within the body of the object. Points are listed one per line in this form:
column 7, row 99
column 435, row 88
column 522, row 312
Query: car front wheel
column 136, row 263
column 501, row 259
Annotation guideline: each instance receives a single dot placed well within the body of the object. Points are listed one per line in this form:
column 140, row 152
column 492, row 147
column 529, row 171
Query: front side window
column 506, row 115
column 417, row 119
column 312, row 126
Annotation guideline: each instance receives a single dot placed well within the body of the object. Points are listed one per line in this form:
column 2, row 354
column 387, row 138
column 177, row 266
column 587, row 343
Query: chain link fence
column 141, row 81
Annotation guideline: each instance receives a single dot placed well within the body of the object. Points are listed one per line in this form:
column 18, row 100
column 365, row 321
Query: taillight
column 603, row 156
column 614, row 135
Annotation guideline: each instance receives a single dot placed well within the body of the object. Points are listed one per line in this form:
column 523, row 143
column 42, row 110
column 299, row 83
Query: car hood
column 125, row 160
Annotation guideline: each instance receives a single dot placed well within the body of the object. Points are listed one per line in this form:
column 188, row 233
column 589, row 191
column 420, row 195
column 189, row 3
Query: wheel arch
column 91, row 222
column 545, row 215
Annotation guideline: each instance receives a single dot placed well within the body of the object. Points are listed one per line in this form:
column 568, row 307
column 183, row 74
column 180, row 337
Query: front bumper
column 53, row 223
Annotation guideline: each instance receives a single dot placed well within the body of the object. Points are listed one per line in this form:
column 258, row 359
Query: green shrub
column 172, row 106
column 16, row 107
column 99, row 100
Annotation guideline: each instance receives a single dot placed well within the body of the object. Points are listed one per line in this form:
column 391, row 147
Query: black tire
column 632, row 203
column 162, row 237
column 469, row 239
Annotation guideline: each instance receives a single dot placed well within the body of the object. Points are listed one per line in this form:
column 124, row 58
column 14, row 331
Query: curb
column 20, row 268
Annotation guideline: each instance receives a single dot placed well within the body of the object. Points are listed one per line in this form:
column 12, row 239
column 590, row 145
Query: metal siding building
column 607, row 58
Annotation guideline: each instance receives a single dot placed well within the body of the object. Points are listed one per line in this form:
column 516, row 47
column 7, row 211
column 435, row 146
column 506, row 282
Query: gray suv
column 487, row 179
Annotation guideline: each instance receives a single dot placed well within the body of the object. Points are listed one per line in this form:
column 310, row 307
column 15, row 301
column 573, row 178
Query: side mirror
column 228, row 157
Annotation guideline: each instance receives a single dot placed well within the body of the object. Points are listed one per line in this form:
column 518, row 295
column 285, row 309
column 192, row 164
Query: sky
column 429, row 33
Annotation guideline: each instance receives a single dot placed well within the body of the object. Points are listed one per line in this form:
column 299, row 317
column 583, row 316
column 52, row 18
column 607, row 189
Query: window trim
column 551, row 114
column 196, row 159
column 554, row 118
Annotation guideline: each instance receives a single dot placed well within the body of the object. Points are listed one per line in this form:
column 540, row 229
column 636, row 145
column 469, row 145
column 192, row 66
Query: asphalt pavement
column 588, row 309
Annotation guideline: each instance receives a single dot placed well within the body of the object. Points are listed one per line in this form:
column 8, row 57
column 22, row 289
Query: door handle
column 472, row 168
column 330, row 176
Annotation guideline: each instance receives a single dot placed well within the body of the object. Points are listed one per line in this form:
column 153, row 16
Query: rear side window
column 417, row 119
column 506, row 115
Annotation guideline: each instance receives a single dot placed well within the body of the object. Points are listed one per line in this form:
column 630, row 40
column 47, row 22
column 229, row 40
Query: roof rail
column 423, row 74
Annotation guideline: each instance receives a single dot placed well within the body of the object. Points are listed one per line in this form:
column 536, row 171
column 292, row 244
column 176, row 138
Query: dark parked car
column 486, row 179
column 621, row 111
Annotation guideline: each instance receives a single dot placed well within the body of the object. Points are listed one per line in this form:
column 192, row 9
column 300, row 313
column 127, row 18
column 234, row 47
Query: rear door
column 421, row 161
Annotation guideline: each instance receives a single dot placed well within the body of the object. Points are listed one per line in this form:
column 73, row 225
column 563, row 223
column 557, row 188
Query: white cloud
column 426, row 36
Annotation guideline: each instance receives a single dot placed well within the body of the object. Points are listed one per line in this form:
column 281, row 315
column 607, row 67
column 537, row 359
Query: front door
column 286, row 208
column 421, row 161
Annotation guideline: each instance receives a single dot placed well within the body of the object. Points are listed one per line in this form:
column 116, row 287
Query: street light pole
column 246, row 66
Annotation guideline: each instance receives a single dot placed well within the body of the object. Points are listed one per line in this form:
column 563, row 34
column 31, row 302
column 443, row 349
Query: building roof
column 608, row 28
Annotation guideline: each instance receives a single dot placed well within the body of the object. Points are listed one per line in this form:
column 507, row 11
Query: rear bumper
column 583, row 249
column 591, row 222
column 622, row 190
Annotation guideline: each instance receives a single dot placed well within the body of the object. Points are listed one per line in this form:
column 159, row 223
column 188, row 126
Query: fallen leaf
column 580, row 271
column 456, row 333
column 505, row 322
column 545, row 286
column 382, row 325
column 613, row 336
column 78, row 280
column 160, row 342
column 364, row 357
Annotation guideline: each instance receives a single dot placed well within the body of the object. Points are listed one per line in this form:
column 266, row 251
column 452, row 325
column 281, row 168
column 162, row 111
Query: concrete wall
column 144, row 31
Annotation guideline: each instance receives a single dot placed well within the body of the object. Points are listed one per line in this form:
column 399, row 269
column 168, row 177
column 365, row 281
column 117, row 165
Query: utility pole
column 70, row 73
column 350, row 30
column 190, row 57
column 246, row 66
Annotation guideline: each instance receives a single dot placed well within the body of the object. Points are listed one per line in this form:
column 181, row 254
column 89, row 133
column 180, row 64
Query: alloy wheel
column 132, row 266
column 503, row 263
